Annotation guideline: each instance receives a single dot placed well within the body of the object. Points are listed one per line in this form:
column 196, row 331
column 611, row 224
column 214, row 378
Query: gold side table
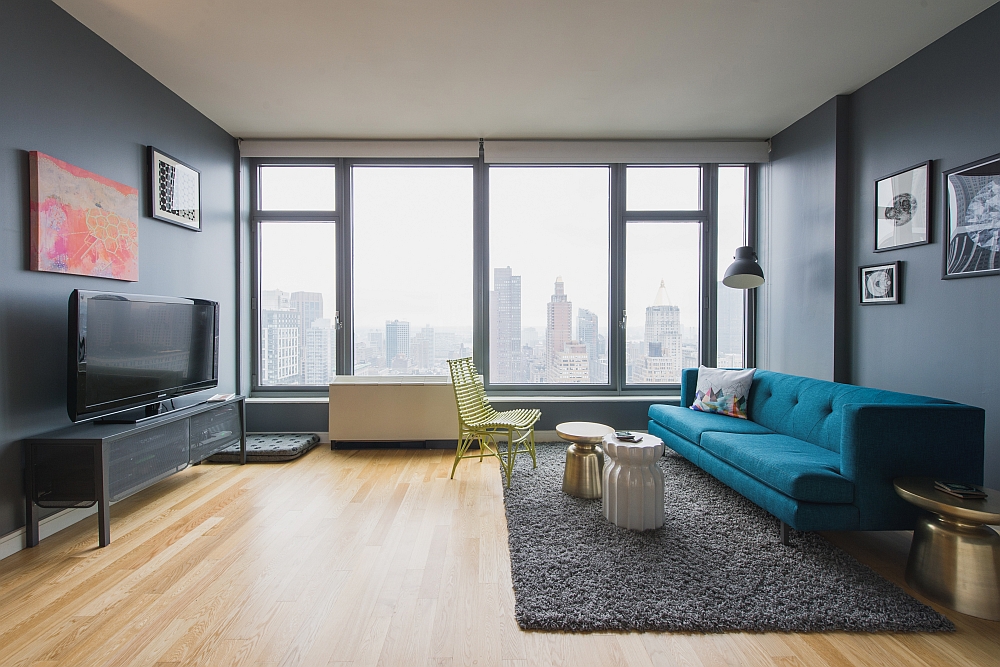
column 955, row 556
column 584, row 457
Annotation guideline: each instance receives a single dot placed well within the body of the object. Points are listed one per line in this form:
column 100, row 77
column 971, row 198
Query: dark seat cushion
column 794, row 467
column 690, row 424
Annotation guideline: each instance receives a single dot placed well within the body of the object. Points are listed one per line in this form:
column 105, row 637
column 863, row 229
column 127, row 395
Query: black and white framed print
column 174, row 190
column 880, row 284
column 902, row 209
column 972, row 219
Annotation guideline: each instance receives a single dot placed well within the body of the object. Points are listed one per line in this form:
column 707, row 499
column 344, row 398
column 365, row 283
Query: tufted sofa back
column 805, row 408
column 811, row 410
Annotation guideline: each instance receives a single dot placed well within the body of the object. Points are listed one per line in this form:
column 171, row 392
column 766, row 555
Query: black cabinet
column 100, row 463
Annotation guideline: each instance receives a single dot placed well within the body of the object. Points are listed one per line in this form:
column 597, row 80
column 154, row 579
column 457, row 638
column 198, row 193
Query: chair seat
column 522, row 418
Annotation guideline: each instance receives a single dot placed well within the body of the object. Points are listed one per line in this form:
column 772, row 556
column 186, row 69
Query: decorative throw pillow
column 723, row 392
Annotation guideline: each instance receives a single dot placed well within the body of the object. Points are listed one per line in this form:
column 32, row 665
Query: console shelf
column 102, row 463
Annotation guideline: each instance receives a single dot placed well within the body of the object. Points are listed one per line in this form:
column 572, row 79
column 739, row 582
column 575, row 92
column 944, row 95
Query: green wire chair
column 477, row 420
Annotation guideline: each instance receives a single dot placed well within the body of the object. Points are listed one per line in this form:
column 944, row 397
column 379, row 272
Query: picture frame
column 972, row 219
column 174, row 191
column 880, row 284
column 902, row 208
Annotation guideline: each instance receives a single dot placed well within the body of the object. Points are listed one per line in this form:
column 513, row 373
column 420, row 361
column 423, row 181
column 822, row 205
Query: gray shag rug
column 717, row 565
column 269, row 448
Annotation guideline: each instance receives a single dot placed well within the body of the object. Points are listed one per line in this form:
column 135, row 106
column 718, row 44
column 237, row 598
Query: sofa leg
column 785, row 538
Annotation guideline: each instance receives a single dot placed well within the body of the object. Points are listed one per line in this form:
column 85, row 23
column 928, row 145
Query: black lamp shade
column 745, row 272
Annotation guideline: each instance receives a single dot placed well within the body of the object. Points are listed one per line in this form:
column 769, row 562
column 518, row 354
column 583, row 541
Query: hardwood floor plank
column 362, row 557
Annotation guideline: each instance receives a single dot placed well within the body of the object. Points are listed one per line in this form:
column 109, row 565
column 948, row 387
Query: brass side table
column 584, row 457
column 955, row 556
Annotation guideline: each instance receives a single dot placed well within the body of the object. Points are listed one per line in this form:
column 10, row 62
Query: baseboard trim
column 15, row 541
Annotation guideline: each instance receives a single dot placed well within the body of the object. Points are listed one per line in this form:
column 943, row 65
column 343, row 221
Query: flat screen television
column 133, row 350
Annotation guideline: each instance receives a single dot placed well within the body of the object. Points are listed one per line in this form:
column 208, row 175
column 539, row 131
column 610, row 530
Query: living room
column 375, row 554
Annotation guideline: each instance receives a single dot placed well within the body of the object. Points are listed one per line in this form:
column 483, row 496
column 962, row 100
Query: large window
column 663, row 259
column 555, row 278
column 548, row 300
column 298, row 342
column 412, row 268
column 296, row 290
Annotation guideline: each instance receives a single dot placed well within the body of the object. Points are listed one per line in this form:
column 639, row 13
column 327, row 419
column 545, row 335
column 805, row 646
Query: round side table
column 633, row 483
column 584, row 458
column 954, row 557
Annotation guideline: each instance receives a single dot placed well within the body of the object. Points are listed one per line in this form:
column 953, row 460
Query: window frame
column 347, row 316
column 619, row 218
column 258, row 216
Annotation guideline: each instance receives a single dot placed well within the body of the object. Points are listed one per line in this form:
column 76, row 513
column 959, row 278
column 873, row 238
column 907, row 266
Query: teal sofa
column 822, row 455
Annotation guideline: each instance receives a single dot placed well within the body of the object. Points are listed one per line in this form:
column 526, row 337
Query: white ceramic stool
column 633, row 483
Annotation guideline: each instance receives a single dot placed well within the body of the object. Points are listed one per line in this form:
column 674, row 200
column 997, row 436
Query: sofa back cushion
column 811, row 410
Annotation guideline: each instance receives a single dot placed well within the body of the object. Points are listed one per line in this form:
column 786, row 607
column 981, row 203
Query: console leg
column 785, row 538
column 30, row 509
column 101, row 486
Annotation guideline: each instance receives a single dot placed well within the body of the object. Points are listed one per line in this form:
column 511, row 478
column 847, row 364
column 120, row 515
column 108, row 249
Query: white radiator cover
column 392, row 409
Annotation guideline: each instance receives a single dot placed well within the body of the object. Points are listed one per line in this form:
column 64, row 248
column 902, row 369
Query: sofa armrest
column 881, row 442
column 689, row 383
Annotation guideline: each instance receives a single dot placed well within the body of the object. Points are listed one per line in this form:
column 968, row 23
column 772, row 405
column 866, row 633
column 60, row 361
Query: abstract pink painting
column 82, row 223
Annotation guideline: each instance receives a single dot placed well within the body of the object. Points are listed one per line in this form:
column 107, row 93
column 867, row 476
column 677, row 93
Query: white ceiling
column 409, row 69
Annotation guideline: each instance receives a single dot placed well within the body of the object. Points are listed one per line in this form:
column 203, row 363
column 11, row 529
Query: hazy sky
column 413, row 240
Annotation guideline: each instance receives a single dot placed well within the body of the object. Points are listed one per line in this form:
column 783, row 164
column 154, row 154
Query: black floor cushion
column 269, row 448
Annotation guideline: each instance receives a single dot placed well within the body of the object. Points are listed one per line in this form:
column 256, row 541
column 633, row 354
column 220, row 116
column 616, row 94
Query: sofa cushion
column 690, row 424
column 794, row 467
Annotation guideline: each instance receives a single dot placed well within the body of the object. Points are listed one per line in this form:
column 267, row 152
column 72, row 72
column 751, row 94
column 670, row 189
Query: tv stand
column 105, row 462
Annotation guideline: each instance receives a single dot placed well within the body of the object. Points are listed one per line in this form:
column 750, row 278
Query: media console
column 103, row 463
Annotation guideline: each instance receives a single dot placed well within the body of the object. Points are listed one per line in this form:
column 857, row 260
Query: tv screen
column 131, row 350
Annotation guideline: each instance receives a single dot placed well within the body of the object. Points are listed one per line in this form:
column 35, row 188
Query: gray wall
column 797, row 245
column 817, row 206
column 67, row 93
column 942, row 104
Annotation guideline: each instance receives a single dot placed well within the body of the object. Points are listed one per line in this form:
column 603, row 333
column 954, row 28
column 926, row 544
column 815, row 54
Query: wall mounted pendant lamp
column 745, row 272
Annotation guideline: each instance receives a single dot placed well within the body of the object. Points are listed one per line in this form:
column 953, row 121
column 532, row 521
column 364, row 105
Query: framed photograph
column 972, row 219
column 902, row 208
column 880, row 284
column 174, row 190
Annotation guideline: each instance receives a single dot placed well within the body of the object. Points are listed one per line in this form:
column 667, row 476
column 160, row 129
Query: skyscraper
column 662, row 341
column 309, row 307
column 558, row 329
column 279, row 347
column 319, row 362
column 422, row 349
column 505, row 326
column 587, row 333
column 397, row 342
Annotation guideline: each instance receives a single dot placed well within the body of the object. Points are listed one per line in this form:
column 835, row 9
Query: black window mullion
column 710, row 262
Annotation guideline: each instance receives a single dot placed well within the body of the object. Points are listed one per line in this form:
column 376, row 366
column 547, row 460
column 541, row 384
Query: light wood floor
column 358, row 558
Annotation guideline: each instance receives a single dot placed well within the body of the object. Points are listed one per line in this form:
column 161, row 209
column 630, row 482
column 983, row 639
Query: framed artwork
column 902, row 208
column 174, row 190
column 972, row 219
column 81, row 223
column 880, row 284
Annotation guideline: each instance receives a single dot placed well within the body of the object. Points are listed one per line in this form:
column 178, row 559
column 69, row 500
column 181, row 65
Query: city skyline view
column 549, row 278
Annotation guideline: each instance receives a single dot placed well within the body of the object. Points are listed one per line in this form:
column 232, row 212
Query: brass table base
column 956, row 564
column 584, row 464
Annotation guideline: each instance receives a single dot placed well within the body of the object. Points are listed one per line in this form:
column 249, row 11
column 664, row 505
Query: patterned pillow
column 723, row 392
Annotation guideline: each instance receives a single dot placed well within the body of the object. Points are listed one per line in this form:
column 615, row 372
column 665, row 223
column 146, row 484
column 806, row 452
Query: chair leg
column 531, row 447
column 460, row 452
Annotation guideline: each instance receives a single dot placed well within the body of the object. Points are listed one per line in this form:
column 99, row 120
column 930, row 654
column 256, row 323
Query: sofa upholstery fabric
column 794, row 467
column 822, row 455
